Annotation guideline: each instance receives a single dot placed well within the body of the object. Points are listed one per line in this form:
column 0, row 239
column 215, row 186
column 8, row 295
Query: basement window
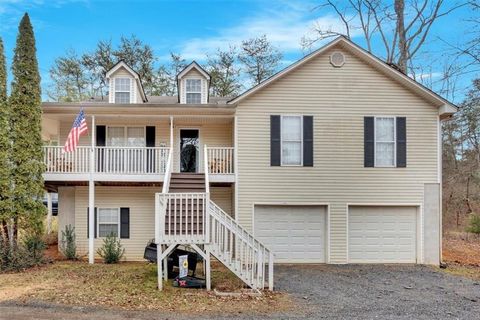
column 108, row 222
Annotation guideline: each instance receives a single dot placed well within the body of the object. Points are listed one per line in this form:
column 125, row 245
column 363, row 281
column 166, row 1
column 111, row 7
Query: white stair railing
column 237, row 249
column 168, row 171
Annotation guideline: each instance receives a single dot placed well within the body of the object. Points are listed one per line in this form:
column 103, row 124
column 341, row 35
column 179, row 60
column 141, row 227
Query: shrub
column 68, row 246
column 111, row 250
column 16, row 257
column 474, row 224
column 35, row 247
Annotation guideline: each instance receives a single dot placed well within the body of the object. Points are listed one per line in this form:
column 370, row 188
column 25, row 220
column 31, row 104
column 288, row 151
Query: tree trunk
column 402, row 39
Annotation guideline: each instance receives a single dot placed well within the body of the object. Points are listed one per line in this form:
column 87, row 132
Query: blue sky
column 191, row 28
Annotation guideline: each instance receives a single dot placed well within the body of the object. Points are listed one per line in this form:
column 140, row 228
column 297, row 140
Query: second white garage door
column 382, row 234
column 294, row 233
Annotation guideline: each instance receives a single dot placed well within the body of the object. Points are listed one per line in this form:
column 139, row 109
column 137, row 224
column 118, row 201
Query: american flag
column 79, row 128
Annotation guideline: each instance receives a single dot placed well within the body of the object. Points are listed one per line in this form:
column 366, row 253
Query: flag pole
column 91, row 199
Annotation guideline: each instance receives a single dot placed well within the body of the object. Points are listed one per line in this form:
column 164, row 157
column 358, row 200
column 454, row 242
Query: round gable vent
column 337, row 59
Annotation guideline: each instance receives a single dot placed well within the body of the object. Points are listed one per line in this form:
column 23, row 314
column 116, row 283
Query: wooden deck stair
column 187, row 182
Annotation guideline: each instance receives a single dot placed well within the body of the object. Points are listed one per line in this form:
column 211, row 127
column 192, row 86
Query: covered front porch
column 135, row 147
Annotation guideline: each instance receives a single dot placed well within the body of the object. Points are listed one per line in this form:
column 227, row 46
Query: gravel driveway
column 329, row 292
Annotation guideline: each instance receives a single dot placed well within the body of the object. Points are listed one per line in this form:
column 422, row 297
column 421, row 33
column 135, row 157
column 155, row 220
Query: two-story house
column 335, row 159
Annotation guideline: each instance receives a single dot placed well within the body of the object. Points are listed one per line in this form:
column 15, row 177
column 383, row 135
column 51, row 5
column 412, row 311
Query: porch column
column 171, row 132
column 91, row 199
column 49, row 212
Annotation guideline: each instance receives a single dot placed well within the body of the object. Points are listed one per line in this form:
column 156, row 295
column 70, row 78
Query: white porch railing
column 112, row 160
column 192, row 218
column 182, row 218
column 72, row 162
column 220, row 160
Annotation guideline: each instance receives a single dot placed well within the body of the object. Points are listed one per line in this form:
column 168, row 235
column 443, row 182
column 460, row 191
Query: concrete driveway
column 327, row 292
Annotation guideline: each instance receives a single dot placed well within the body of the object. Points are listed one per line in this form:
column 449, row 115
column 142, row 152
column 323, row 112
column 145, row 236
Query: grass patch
column 471, row 272
column 130, row 286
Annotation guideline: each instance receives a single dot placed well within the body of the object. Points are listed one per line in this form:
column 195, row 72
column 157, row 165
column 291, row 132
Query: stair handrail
column 168, row 172
column 263, row 254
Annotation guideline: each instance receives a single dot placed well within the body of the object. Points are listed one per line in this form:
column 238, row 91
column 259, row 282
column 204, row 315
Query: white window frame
column 125, row 135
column 187, row 92
column 301, row 140
column 394, row 142
column 129, row 91
column 98, row 220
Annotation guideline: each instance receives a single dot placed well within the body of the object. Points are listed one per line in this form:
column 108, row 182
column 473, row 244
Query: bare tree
column 224, row 72
column 401, row 34
column 259, row 58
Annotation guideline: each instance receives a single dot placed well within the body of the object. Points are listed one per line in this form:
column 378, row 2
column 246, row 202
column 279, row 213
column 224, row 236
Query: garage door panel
column 382, row 234
column 294, row 233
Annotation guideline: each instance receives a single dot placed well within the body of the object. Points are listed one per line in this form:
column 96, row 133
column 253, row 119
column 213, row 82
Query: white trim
column 440, row 182
column 301, row 140
column 301, row 204
column 195, row 92
column 125, row 133
column 190, row 67
column 235, row 164
column 129, row 91
column 135, row 75
column 419, row 243
column 399, row 76
column 98, row 220
column 200, row 148
column 394, row 141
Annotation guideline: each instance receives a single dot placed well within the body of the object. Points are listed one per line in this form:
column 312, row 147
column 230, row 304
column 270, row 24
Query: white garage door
column 294, row 233
column 382, row 234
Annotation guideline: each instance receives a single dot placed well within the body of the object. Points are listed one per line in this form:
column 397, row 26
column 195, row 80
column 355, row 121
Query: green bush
column 68, row 246
column 17, row 257
column 474, row 224
column 35, row 247
column 111, row 250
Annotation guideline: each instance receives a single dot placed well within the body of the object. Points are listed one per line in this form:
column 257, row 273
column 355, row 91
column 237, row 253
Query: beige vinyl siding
column 223, row 197
column 211, row 134
column 162, row 129
column 140, row 200
column 338, row 99
column 135, row 96
column 193, row 73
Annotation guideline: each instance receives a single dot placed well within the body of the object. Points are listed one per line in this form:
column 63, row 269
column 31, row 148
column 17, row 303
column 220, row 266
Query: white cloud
column 284, row 26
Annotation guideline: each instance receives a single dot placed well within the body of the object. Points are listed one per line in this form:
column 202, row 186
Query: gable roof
column 193, row 65
column 445, row 107
column 136, row 76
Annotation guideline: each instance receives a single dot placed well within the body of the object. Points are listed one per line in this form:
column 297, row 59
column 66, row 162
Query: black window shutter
column 100, row 134
column 401, row 142
column 150, row 136
column 95, row 223
column 369, row 141
column 150, row 142
column 275, row 151
column 307, row 141
column 124, row 223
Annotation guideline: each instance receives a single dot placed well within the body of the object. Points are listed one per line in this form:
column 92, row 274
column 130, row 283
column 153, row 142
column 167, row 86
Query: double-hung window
column 292, row 142
column 122, row 90
column 193, row 91
column 126, row 136
column 385, row 142
column 108, row 221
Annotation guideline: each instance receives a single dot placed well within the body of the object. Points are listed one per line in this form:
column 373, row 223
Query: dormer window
column 194, row 91
column 122, row 90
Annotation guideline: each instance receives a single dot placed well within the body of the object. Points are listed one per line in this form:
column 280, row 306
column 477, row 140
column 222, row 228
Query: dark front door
column 189, row 150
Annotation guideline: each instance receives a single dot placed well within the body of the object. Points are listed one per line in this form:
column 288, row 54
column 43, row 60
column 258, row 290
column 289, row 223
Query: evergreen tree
column 5, row 174
column 27, row 153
